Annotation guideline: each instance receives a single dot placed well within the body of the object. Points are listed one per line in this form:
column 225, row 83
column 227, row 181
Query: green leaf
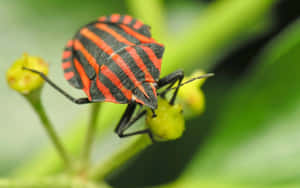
column 258, row 131
column 215, row 31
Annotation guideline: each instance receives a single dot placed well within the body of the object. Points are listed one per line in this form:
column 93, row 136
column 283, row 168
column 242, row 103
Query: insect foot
column 168, row 124
column 24, row 81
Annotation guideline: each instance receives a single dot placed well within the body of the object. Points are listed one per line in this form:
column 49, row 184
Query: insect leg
column 72, row 99
column 171, row 79
column 127, row 121
column 123, row 123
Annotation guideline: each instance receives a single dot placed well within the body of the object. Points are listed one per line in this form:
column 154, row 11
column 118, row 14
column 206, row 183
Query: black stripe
column 103, row 58
column 115, row 45
column 131, row 24
column 93, row 50
column 127, row 83
column 149, row 64
column 67, row 59
column 70, row 69
column 123, row 33
column 75, row 81
column 113, row 89
column 135, row 69
column 151, row 101
column 108, row 38
column 121, row 19
column 108, row 19
column 96, row 94
column 68, row 48
column 144, row 30
column 89, row 70
column 157, row 49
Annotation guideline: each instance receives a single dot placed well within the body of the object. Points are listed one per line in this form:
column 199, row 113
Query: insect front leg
column 170, row 80
column 72, row 99
column 127, row 121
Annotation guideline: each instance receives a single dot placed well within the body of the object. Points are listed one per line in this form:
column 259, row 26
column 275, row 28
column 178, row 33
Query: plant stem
column 90, row 133
column 50, row 183
column 122, row 155
column 35, row 101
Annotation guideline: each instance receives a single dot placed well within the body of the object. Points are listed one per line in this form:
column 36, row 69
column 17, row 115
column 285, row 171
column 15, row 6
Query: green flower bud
column 191, row 96
column 169, row 122
column 24, row 81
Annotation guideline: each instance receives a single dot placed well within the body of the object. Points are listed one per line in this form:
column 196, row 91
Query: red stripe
column 85, row 80
column 68, row 75
column 91, row 60
column 127, row 19
column 66, row 54
column 116, row 81
column 138, row 24
column 116, row 57
column 117, row 36
column 66, row 65
column 152, row 56
column 138, row 100
column 114, row 18
column 105, row 91
column 102, row 19
column 139, row 62
column 153, row 89
column 138, row 36
column 70, row 43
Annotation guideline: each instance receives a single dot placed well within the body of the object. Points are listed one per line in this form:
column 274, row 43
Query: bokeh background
column 250, row 130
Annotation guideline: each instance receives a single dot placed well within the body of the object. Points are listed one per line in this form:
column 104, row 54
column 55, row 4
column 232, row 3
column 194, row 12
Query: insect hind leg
column 72, row 99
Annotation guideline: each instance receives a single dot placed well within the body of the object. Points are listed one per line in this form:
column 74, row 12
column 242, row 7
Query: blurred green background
column 249, row 133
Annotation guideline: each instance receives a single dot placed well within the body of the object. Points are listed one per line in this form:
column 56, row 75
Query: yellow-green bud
column 191, row 96
column 25, row 81
column 169, row 122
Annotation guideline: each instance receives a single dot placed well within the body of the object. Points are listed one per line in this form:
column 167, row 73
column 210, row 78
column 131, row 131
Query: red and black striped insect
column 115, row 59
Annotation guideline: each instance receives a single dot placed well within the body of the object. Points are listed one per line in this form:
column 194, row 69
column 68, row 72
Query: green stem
column 35, row 101
column 50, row 183
column 90, row 133
column 122, row 155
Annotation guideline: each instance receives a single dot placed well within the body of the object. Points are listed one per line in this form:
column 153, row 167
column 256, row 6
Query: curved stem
column 35, row 101
column 90, row 133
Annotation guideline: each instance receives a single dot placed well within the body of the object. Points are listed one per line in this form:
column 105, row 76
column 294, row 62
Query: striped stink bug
column 115, row 59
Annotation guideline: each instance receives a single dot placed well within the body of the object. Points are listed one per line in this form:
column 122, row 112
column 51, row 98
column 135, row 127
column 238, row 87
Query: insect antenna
column 195, row 78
